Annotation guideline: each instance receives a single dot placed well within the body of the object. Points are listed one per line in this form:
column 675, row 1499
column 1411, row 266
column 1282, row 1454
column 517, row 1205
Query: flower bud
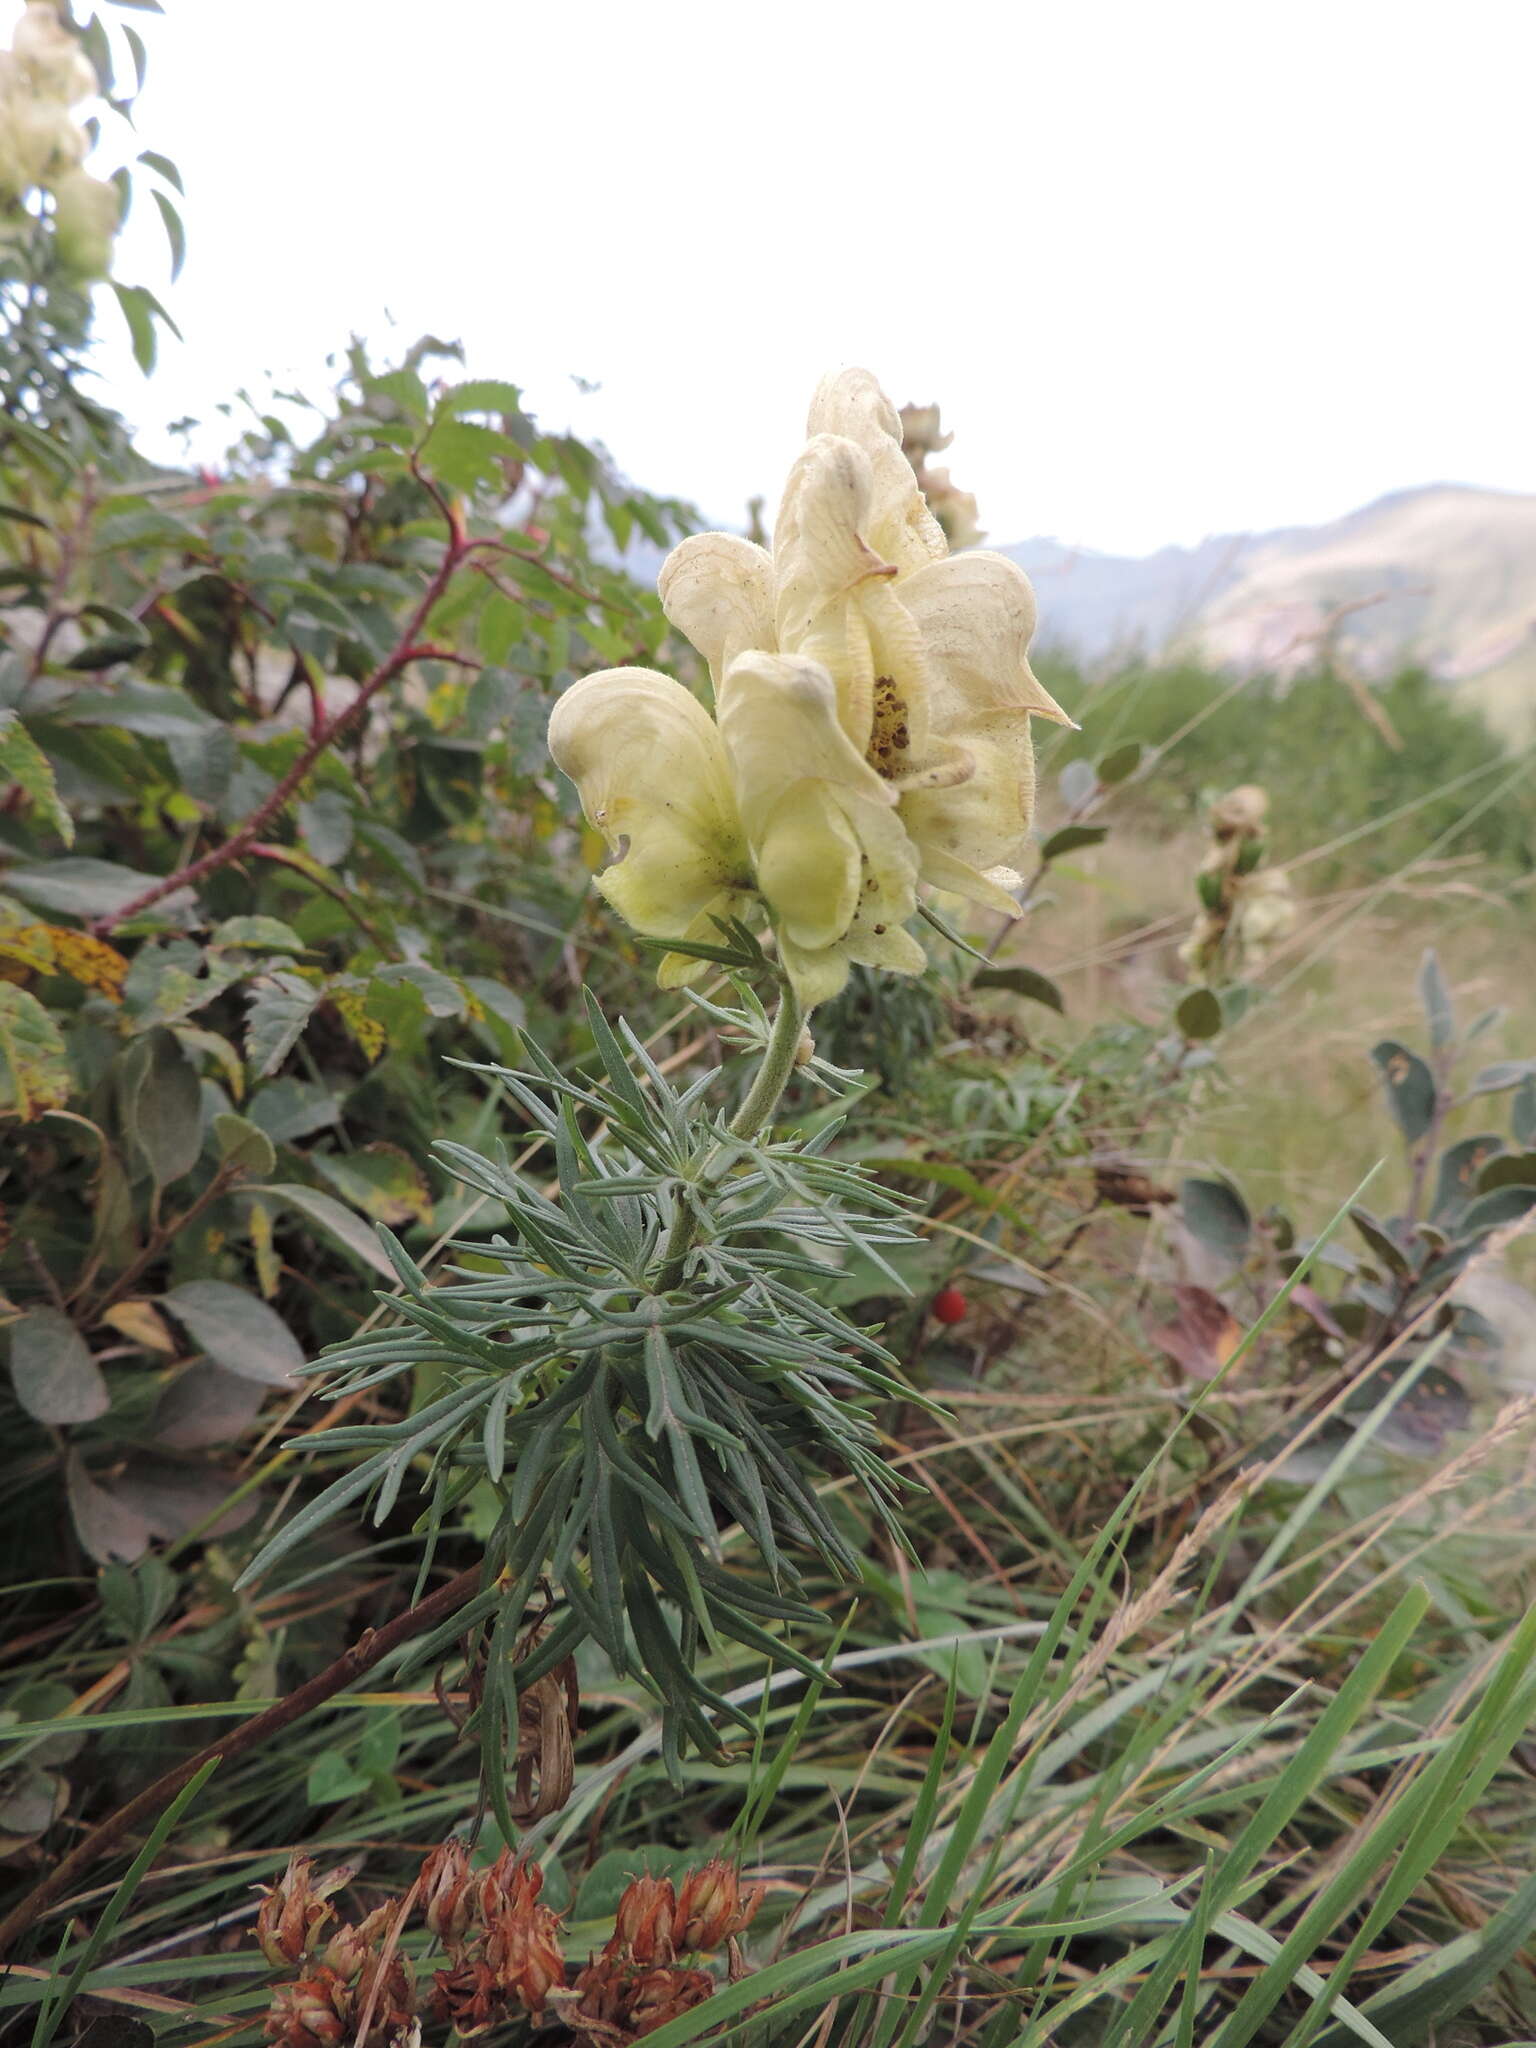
column 1240, row 811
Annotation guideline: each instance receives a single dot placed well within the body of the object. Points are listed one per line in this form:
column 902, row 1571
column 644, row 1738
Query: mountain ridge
column 1440, row 576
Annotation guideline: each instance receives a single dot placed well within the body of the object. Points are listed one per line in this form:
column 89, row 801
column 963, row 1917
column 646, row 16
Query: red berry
column 949, row 1305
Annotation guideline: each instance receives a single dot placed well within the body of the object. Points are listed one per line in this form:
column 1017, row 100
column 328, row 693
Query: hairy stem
column 768, row 1085
column 773, row 1075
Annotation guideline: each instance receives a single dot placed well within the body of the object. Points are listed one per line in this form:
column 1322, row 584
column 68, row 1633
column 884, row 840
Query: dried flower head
column 616, row 2000
column 712, row 1908
column 643, row 1925
column 448, row 1894
column 522, row 1946
column 294, row 1910
column 309, row 2014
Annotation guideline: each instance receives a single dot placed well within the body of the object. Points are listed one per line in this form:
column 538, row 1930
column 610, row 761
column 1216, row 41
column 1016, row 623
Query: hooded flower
column 654, row 780
column 873, row 698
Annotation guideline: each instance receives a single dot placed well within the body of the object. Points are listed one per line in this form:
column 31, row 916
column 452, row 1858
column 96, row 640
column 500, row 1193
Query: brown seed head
column 468, row 1998
column 448, row 1894
column 294, row 1910
column 711, row 1906
column 523, row 1949
column 309, row 2014
column 643, row 1925
column 665, row 1994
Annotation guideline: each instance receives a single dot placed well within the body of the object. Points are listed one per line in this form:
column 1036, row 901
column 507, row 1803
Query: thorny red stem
column 243, row 838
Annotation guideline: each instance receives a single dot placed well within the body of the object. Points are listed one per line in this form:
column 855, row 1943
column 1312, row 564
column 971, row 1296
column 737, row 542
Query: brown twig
column 406, row 650
column 370, row 1648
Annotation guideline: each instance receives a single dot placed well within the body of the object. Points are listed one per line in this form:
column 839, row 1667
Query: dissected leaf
column 55, row 1377
column 237, row 1330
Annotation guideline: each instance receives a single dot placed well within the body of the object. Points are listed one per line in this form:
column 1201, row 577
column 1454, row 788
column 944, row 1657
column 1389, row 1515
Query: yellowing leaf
column 91, row 962
column 350, row 1003
column 142, row 1324
column 34, row 1073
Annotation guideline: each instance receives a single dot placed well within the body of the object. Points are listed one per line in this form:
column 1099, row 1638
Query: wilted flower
column 1241, row 811
column 309, row 2014
column 873, row 702
column 468, row 1997
column 510, row 1885
column 522, row 1947
column 642, row 1926
column 617, row 2001
column 448, row 1894
column 293, row 1910
column 712, row 1909
column 351, row 1950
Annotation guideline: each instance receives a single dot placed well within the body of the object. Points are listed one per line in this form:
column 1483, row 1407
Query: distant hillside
column 1443, row 577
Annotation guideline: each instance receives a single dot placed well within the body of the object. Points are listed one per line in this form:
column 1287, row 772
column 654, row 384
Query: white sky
column 1171, row 267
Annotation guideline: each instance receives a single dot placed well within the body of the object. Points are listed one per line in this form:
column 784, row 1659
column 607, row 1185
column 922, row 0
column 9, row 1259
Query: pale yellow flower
column 927, row 652
column 651, row 768
column 873, row 698
column 833, row 863
column 50, row 57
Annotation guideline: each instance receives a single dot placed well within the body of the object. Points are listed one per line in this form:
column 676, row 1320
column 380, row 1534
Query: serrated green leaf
column 23, row 763
column 279, row 1006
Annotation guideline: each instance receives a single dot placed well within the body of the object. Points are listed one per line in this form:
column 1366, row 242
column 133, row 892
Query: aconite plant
column 652, row 1360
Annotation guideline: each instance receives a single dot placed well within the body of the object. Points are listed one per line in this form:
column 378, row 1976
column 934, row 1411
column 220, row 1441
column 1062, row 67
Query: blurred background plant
column 1193, row 1704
